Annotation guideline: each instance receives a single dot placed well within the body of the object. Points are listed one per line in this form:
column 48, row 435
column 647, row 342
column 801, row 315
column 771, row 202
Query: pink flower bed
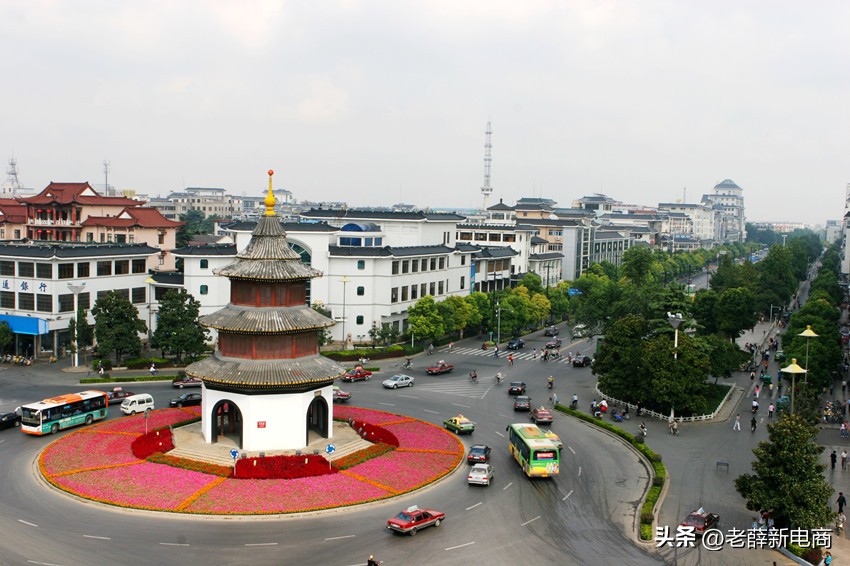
column 368, row 415
column 285, row 496
column 145, row 485
column 87, row 449
column 156, row 419
column 404, row 471
column 424, row 436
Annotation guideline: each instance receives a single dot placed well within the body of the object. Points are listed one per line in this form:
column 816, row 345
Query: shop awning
column 25, row 324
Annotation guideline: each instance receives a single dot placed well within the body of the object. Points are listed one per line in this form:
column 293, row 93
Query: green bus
column 536, row 454
column 58, row 413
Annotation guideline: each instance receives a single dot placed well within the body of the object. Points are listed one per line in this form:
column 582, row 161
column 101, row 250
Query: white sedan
column 481, row 474
column 397, row 381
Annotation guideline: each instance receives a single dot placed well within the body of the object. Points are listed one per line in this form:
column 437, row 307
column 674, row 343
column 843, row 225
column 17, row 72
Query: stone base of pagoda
column 281, row 421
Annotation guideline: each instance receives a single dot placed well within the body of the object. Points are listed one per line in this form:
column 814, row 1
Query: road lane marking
column 387, row 404
column 507, row 486
column 500, row 434
column 27, row 523
column 342, row 537
column 579, row 471
column 174, row 544
column 506, row 416
column 567, row 495
column 97, row 537
column 42, row 563
column 459, row 405
column 571, row 450
column 408, row 396
column 474, row 506
column 432, row 412
column 260, row 544
column 530, row 521
column 460, row 545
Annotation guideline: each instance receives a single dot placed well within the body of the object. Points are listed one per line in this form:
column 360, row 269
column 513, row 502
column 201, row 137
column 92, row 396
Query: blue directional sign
column 330, row 449
column 572, row 291
column 234, row 453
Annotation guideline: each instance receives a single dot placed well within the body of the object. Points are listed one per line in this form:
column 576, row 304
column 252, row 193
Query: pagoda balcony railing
column 49, row 222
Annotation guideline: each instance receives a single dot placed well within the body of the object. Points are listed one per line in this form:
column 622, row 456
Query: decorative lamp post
column 794, row 370
column 150, row 283
column 498, row 324
column 807, row 333
column 344, row 283
column 76, row 289
column 675, row 321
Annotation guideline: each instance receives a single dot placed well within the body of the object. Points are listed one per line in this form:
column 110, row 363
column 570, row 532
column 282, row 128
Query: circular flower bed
column 102, row 463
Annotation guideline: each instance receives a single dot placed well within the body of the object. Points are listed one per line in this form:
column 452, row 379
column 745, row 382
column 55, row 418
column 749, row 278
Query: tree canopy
column 117, row 326
column 177, row 331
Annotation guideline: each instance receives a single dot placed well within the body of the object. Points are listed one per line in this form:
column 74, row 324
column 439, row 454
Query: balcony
column 47, row 222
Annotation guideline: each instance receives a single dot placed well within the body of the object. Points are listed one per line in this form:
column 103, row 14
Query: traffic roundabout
column 117, row 463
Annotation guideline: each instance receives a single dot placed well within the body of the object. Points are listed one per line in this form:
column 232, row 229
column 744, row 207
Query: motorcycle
column 407, row 365
column 550, row 383
column 473, row 376
column 498, row 377
column 574, row 404
column 642, row 431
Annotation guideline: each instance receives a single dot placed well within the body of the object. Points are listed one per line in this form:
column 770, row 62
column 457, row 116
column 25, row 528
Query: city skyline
column 375, row 103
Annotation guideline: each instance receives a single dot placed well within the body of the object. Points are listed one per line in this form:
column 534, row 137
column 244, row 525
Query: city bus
column 536, row 454
column 57, row 413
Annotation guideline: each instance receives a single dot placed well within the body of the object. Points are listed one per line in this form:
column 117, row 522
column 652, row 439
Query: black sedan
column 185, row 400
column 551, row 331
column 10, row 420
column 478, row 453
column 516, row 388
column 522, row 403
column 516, row 344
column 582, row 361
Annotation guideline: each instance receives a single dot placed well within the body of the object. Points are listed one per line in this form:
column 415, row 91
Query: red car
column 701, row 521
column 117, row 395
column 187, row 381
column 541, row 416
column 440, row 367
column 341, row 396
column 357, row 374
column 414, row 519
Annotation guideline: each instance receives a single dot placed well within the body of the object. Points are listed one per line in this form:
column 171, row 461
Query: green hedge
column 395, row 351
column 128, row 379
column 145, row 363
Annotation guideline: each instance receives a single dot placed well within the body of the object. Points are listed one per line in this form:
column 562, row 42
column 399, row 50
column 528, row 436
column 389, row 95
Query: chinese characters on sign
column 715, row 539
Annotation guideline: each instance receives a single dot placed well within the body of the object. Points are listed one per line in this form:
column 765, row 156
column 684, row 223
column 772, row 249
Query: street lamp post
column 150, row 283
column 675, row 321
column 344, row 283
column 794, row 370
column 498, row 324
column 807, row 333
column 76, row 289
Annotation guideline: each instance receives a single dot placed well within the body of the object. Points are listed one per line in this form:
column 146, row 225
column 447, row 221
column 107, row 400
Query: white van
column 137, row 404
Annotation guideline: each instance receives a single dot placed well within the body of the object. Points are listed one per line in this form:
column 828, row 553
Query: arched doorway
column 226, row 423
column 317, row 419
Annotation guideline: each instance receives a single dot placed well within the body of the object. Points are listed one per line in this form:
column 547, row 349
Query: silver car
column 480, row 474
column 397, row 381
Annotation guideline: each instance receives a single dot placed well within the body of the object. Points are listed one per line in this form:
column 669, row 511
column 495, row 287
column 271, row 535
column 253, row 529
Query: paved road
column 568, row 520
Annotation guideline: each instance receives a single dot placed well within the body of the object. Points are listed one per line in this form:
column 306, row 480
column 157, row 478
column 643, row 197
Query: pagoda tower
column 266, row 387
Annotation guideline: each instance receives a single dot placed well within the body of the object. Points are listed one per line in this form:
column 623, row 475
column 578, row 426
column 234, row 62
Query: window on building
column 84, row 300
column 44, row 303
column 66, row 271
column 432, row 288
column 205, row 264
column 494, row 237
column 100, row 295
column 481, row 236
column 205, row 289
column 394, row 295
column 104, row 268
column 44, row 270
column 462, row 282
column 138, row 266
column 440, row 288
column 161, row 238
column 433, row 263
column 120, row 238
column 423, row 289
column 138, row 295
column 26, row 269
column 465, row 236
column 90, row 237
column 463, row 259
column 26, row 301
column 404, row 293
column 414, row 266
column 122, row 267
column 414, row 292
column 361, row 291
column 124, row 293
column 509, row 237
column 361, row 264
column 442, row 263
column 66, row 302
column 7, row 268
column 7, row 300
column 359, row 320
column 395, row 267
column 424, row 264
column 405, row 266
column 17, row 234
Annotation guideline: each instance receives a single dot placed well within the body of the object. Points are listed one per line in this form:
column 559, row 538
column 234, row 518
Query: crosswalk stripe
column 474, row 391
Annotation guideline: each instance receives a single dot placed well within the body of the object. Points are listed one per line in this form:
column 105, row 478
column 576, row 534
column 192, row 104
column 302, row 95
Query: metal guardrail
column 659, row 416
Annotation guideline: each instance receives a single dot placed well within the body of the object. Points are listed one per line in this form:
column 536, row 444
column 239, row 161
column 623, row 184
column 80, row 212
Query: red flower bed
column 151, row 443
column 282, row 467
column 375, row 434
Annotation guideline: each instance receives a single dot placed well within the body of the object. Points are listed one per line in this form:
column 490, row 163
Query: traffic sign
column 330, row 449
column 572, row 291
column 234, row 453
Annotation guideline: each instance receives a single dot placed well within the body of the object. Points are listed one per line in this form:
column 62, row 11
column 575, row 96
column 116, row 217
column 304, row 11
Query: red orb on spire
column 271, row 172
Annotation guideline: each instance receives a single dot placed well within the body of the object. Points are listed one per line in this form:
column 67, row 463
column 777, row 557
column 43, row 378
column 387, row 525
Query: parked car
column 187, row 381
column 341, row 396
column 439, row 367
column 186, row 400
column 414, row 519
column 516, row 388
column 522, row 403
column 397, row 381
column 779, row 356
column 480, row 474
column 580, row 331
column 117, row 395
column 553, row 344
column 516, row 344
column 478, row 453
column 357, row 374
column 554, row 438
column 10, row 420
column 459, row 424
column 582, row 361
column 701, row 520
column 551, row 331
column 541, row 416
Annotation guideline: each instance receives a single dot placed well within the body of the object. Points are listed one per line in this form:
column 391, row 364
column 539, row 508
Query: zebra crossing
column 458, row 388
column 526, row 355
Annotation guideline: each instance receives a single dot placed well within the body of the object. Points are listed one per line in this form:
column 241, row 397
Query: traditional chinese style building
column 266, row 386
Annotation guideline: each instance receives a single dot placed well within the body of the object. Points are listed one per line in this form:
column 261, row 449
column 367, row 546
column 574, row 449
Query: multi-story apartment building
column 210, row 201
column 728, row 198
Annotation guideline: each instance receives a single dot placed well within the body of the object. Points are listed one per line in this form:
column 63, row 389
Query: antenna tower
column 486, row 189
column 106, row 177
column 12, row 175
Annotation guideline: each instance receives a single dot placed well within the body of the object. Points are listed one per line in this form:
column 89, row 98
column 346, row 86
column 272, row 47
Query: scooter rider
column 473, row 375
column 642, row 428
column 499, row 377
column 550, row 382
column 574, row 402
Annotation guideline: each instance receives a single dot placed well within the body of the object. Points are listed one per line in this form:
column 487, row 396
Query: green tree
column 677, row 382
column 735, row 311
column 194, row 222
column 637, row 264
column 456, row 313
column 177, row 329
column 323, row 335
column 424, row 319
column 619, row 363
column 6, row 336
column 480, row 303
column 532, row 282
column 85, row 332
column 723, row 356
column 788, row 476
column 117, row 326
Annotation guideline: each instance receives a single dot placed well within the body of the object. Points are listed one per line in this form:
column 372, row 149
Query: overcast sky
column 380, row 102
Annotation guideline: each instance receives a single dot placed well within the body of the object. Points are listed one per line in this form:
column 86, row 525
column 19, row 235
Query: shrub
column 145, row 445
column 126, row 379
column 351, row 460
column 646, row 531
column 145, row 363
column 107, row 364
column 812, row 555
column 282, row 467
column 647, row 517
column 657, row 481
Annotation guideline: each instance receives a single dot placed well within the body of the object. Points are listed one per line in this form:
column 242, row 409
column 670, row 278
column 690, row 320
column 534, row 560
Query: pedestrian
column 496, row 351
column 554, row 399
column 827, row 558
column 841, row 501
column 534, row 354
column 843, row 430
column 153, row 369
column 770, row 409
column 770, row 387
column 833, row 458
column 844, row 459
column 451, row 346
column 737, row 425
column 430, row 349
column 756, row 392
column 843, row 386
column 752, row 376
column 511, row 360
column 831, row 389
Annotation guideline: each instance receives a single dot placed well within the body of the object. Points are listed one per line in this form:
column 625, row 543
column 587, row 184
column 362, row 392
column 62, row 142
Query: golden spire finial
column 270, row 201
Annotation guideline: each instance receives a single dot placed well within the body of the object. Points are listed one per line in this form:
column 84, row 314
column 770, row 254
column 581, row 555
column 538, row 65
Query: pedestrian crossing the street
column 527, row 355
column 459, row 388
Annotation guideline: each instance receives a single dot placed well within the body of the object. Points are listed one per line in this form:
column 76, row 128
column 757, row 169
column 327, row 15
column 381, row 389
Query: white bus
column 57, row 413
